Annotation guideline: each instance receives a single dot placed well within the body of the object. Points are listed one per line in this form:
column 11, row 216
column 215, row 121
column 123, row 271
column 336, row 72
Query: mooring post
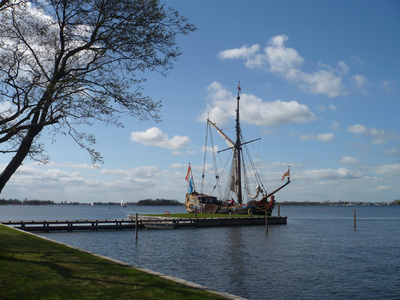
column 354, row 219
column 136, row 226
column 195, row 212
column 279, row 210
column 266, row 222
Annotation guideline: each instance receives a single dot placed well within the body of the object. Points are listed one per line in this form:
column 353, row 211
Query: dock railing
column 119, row 224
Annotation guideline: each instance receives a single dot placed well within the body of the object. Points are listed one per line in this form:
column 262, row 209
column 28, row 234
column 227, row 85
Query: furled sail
column 230, row 143
column 234, row 176
column 258, row 191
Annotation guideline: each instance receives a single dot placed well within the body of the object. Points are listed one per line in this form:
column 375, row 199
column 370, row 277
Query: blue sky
column 320, row 87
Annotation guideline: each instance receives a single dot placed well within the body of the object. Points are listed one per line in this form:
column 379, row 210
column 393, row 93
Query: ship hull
column 252, row 208
column 210, row 205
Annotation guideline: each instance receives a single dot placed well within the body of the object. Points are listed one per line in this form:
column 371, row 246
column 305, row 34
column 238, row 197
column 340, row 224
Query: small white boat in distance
column 159, row 225
column 122, row 203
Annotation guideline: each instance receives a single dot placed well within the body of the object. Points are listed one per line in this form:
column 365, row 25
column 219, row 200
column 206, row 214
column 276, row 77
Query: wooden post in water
column 266, row 222
column 136, row 226
column 279, row 210
column 354, row 219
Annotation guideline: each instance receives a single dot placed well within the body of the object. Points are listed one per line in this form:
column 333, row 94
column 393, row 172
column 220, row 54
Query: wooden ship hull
column 205, row 204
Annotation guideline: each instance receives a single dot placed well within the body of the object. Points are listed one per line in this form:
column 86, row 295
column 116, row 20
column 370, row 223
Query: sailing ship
column 238, row 184
column 122, row 203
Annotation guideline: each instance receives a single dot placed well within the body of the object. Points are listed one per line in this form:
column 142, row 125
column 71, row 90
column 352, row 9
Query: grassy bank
column 34, row 268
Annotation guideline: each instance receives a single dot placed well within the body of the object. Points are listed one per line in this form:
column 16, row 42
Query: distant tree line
column 301, row 203
column 327, row 202
column 158, row 202
column 25, row 202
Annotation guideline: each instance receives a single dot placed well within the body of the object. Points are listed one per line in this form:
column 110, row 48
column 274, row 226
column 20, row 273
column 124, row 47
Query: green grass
column 188, row 215
column 34, row 268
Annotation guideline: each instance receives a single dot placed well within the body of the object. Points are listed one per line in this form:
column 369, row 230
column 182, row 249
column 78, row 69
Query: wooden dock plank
column 119, row 224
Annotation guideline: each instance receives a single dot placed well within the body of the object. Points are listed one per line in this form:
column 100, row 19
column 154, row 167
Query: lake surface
column 317, row 255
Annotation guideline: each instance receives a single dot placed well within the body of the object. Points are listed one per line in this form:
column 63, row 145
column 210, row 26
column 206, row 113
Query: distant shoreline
column 396, row 202
column 163, row 202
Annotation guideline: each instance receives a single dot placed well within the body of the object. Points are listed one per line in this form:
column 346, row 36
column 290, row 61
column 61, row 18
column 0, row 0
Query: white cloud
column 324, row 174
column 335, row 126
column 391, row 151
column 46, row 183
column 280, row 166
column 361, row 129
column 325, row 137
column 210, row 150
column 305, row 137
column 343, row 68
column 286, row 62
column 244, row 51
column 281, row 59
column 387, row 170
column 349, row 160
column 358, row 129
column 155, row 137
column 358, row 60
column 376, row 132
column 253, row 109
column 176, row 166
column 378, row 141
column 379, row 136
column 359, row 80
column 388, row 87
column 332, row 107
column 6, row 109
column 69, row 165
column 321, row 108
column 176, row 152
column 383, row 188
column 319, row 82
column 140, row 172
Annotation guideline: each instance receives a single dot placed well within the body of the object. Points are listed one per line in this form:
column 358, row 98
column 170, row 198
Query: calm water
column 317, row 255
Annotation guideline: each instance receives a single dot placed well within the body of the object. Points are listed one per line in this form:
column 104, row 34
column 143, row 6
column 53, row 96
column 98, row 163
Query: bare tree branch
column 66, row 63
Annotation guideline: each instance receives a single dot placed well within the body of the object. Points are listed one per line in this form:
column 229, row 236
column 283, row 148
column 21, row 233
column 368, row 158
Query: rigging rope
column 256, row 174
column 217, row 183
column 204, row 162
column 248, row 154
column 215, row 163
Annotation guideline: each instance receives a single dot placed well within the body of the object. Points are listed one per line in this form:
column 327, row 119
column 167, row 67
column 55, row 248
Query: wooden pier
column 119, row 224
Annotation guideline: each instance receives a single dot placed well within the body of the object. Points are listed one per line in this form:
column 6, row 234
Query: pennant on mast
column 286, row 174
column 189, row 171
column 189, row 178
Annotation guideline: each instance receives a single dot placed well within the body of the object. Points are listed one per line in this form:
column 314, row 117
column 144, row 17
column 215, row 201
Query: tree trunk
column 19, row 157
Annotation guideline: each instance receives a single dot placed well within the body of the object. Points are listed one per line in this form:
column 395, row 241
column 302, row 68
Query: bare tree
column 4, row 4
column 71, row 62
column 9, row 3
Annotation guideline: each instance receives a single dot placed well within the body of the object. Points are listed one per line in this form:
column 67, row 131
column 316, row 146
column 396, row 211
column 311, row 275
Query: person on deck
column 272, row 201
column 232, row 202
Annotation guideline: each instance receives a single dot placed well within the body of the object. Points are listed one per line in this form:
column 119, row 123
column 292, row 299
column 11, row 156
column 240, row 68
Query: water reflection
column 317, row 255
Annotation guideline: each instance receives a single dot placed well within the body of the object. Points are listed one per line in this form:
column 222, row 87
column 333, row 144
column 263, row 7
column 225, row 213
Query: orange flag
column 286, row 174
column 188, row 173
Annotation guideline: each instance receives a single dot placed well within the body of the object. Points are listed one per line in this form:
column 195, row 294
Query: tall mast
column 238, row 149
